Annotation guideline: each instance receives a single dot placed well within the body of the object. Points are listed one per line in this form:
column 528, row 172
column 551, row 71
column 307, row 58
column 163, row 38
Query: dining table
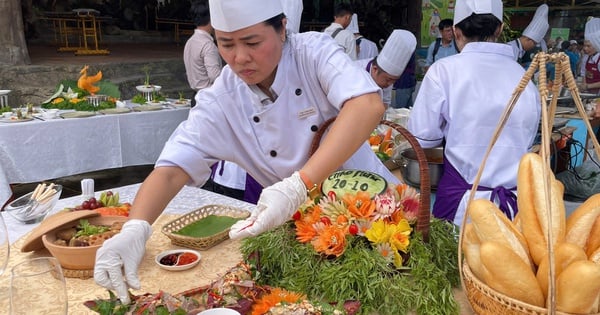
column 42, row 149
column 214, row 262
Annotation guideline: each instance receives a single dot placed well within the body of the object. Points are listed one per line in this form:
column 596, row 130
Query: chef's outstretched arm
column 277, row 203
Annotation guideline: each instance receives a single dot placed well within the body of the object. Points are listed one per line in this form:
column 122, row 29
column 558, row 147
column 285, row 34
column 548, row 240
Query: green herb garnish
column 86, row 229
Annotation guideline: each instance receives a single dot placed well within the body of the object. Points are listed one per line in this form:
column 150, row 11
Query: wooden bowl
column 78, row 258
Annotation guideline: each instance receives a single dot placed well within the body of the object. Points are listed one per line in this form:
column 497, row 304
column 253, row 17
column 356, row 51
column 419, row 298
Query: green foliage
column 5, row 109
column 360, row 274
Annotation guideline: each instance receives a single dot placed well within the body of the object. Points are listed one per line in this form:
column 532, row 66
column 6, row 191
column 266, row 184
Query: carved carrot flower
column 276, row 296
column 359, row 204
column 330, row 241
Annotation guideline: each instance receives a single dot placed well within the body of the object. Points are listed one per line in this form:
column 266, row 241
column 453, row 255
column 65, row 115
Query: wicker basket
column 483, row 299
column 424, row 215
column 201, row 243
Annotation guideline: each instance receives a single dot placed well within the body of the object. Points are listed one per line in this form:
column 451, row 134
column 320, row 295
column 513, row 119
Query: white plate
column 4, row 120
column 145, row 108
column 117, row 110
column 77, row 114
column 177, row 267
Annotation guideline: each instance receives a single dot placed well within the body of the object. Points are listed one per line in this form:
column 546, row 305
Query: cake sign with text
column 353, row 181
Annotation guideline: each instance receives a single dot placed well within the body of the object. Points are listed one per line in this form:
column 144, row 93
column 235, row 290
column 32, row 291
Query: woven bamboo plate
column 201, row 243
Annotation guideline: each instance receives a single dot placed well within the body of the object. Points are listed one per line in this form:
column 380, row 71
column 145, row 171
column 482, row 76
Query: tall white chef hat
column 538, row 26
column 353, row 27
column 233, row 15
column 396, row 52
column 464, row 8
column 293, row 13
column 592, row 32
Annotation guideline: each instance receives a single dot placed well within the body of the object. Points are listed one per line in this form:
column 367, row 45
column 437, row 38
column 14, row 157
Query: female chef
column 262, row 113
column 460, row 102
column 590, row 65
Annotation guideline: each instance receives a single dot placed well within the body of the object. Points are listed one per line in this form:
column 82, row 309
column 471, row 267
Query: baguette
column 533, row 214
column 593, row 242
column 578, row 287
column 564, row 255
column 490, row 224
column 595, row 257
column 581, row 221
column 470, row 246
column 505, row 272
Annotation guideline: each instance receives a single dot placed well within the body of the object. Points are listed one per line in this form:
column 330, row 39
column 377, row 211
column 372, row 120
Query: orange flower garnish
column 360, row 204
column 276, row 296
column 305, row 231
column 330, row 241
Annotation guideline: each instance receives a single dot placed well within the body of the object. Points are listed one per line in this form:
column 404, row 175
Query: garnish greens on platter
column 361, row 246
column 235, row 290
column 71, row 94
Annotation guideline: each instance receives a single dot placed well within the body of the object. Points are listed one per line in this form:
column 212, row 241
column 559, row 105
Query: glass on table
column 37, row 286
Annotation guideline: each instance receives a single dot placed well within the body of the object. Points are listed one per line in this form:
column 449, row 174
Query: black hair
column 445, row 23
column 479, row 27
column 565, row 45
column 343, row 8
column 200, row 12
column 276, row 22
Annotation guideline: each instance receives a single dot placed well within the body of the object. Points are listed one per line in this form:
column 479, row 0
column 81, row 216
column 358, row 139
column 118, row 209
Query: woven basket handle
column 424, row 215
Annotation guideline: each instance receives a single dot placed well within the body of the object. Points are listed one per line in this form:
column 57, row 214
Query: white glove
column 122, row 253
column 276, row 205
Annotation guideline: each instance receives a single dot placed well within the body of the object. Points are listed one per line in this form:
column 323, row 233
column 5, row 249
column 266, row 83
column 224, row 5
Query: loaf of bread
column 595, row 256
column 505, row 272
column 581, row 222
column 578, row 288
column 564, row 255
column 470, row 247
column 490, row 224
column 533, row 212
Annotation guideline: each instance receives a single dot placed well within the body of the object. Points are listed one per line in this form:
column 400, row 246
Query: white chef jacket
column 365, row 64
column 314, row 78
column 461, row 99
column 517, row 48
column 344, row 38
column 368, row 49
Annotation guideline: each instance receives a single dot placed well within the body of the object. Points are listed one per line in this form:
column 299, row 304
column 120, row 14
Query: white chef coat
column 344, row 38
column 314, row 78
column 365, row 64
column 517, row 48
column 368, row 49
column 461, row 99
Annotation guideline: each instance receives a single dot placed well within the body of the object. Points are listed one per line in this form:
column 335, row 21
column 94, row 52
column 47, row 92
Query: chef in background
column 590, row 64
column 388, row 66
column 533, row 34
column 261, row 113
column 460, row 102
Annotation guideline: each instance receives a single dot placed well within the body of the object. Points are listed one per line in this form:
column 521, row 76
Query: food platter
column 180, row 103
column 10, row 120
column 117, row 110
column 77, row 114
column 146, row 108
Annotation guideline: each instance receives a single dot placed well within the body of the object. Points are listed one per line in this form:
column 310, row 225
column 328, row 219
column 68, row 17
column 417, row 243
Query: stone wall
column 35, row 83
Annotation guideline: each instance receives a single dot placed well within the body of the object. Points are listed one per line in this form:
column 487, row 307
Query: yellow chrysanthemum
column 380, row 232
column 400, row 238
column 398, row 261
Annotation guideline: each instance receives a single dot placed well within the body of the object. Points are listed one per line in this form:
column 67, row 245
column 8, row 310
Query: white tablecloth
column 188, row 199
column 41, row 150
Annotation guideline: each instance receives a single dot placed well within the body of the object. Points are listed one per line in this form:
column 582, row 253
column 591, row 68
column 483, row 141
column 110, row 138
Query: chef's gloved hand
column 118, row 259
column 276, row 205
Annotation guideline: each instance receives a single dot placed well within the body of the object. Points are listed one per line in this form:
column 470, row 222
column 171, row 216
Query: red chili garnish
column 353, row 229
column 326, row 220
column 331, row 194
column 297, row 216
column 186, row 258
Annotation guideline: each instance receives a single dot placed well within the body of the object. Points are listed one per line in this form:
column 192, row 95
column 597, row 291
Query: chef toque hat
column 233, row 15
column 396, row 52
column 538, row 26
column 353, row 27
column 592, row 32
column 464, row 8
column 293, row 13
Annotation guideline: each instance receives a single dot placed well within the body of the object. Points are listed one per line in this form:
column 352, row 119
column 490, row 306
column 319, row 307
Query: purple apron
column 252, row 189
column 452, row 187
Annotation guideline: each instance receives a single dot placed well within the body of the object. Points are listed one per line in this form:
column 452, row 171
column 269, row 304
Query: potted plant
column 147, row 87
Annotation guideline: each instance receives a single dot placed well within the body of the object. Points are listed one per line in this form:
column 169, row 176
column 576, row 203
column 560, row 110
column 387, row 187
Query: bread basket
column 201, row 243
column 483, row 299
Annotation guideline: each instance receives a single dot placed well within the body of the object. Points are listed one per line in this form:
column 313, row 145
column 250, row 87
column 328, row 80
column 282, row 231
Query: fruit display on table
column 108, row 205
